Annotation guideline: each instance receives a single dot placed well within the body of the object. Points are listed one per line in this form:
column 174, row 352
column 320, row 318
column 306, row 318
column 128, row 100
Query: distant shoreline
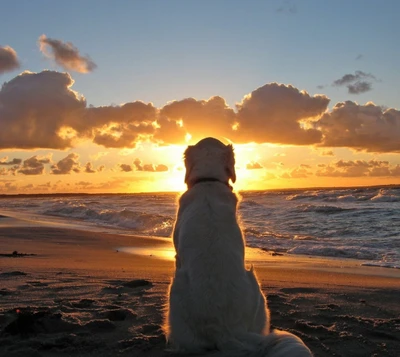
column 71, row 194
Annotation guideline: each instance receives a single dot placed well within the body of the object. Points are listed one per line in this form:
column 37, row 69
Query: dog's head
column 209, row 159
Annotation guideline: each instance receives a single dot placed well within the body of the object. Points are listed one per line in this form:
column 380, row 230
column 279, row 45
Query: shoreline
column 161, row 247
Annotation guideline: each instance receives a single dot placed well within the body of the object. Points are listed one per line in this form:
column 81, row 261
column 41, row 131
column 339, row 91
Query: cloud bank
column 41, row 110
column 66, row 55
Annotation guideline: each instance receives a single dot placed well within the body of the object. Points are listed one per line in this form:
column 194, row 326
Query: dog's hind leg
column 182, row 335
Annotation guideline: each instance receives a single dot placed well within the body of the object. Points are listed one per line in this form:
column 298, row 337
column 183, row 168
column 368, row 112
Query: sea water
column 355, row 223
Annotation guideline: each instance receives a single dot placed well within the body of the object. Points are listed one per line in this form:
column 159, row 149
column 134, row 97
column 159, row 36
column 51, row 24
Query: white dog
column 214, row 302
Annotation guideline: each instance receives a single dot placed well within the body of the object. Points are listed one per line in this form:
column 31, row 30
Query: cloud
column 265, row 115
column 40, row 110
column 359, row 87
column 327, row 153
column 360, row 56
column 66, row 55
column 66, row 165
column 359, row 168
column 126, row 167
column 34, row 165
column 91, row 170
column 98, row 155
column 357, row 83
column 33, row 109
column 297, row 173
column 200, row 118
column 118, row 126
column 8, row 59
column 362, row 127
column 14, row 161
column 253, row 165
column 149, row 167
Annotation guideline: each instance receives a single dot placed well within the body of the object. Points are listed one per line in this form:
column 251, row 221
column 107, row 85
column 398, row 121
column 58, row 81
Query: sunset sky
column 104, row 96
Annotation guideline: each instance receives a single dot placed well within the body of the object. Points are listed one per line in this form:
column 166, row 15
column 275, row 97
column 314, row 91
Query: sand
column 80, row 293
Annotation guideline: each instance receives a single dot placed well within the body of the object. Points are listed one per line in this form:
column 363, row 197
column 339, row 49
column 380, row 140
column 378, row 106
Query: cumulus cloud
column 34, row 107
column 149, row 167
column 359, row 168
column 199, row 118
column 34, row 165
column 253, row 165
column 361, row 127
column 4, row 161
column 8, row 59
column 89, row 168
column 40, row 110
column 276, row 113
column 126, row 167
column 66, row 55
column 67, row 165
column 118, row 126
column 357, row 83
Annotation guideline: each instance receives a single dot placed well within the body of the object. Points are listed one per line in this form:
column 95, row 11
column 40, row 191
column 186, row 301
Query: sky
column 104, row 96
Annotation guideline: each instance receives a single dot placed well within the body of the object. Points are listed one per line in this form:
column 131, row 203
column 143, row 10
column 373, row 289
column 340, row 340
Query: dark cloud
column 360, row 56
column 149, row 167
column 253, row 165
column 8, row 59
column 362, row 127
column 359, row 87
column 126, row 167
column 116, row 126
column 265, row 115
column 34, row 165
column 357, row 83
column 359, row 168
column 40, row 110
column 14, row 161
column 66, row 55
column 89, row 168
column 34, row 107
column 67, row 165
column 199, row 118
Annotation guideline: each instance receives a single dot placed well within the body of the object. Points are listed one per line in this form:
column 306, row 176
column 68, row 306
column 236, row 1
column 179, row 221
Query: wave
column 325, row 209
column 385, row 196
column 146, row 223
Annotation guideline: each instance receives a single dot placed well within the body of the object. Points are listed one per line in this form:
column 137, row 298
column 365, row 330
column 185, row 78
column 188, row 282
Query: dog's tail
column 276, row 344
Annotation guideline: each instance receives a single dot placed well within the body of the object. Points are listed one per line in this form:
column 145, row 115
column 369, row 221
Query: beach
column 72, row 292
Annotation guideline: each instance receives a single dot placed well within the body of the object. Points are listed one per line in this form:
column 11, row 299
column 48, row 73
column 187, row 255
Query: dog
column 215, row 303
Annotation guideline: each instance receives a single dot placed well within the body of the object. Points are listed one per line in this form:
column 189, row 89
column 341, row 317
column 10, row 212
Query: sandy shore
column 80, row 293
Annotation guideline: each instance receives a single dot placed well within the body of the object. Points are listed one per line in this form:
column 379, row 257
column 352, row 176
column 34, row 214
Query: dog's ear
column 230, row 163
column 188, row 162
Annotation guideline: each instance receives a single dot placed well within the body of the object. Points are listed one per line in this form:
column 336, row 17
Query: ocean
column 348, row 223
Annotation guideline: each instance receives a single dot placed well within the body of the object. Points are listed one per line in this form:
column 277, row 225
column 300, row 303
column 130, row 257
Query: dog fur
column 215, row 303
